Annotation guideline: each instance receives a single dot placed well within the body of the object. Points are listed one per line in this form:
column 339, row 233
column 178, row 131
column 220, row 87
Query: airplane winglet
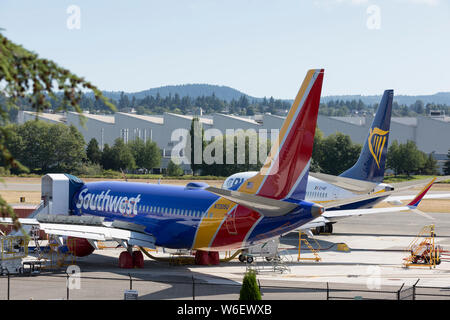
column 415, row 202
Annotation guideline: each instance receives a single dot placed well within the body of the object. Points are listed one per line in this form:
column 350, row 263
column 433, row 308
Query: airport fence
column 60, row 286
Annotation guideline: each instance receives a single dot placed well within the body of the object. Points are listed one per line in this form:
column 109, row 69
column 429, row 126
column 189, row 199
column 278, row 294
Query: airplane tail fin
column 285, row 172
column 415, row 202
column 371, row 163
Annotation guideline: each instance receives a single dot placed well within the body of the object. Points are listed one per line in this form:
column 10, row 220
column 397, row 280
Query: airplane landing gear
column 125, row 260
column 138, row 259
column 204, row 258
column 327, row 228
column 131, row 259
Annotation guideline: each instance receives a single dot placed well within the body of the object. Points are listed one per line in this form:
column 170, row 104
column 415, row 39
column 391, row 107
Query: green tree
column 122, row 155
column 430, row 166
column 124, row 102
column 93, row 152
column 412, row 158
column 447, row 164
column 418, row 107
column 152, row 155
column 69, row 147
column 405, row 158
column 174, row 170
column 146, row 154
column 26, row 76
column 249, row 142
column 196, row 134
column 46, row 147
column 250, row 290
column 393, row 158
column 318, row 153
column 250, row 111
column 137, row 147
column 108, row 158
column 337, row 153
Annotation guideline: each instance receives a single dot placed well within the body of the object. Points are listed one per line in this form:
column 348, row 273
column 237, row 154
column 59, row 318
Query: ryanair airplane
column 197, row 216
column 365, row 177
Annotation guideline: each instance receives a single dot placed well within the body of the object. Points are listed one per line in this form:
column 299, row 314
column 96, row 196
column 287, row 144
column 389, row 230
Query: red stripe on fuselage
column 297, row 148
column 232, row 233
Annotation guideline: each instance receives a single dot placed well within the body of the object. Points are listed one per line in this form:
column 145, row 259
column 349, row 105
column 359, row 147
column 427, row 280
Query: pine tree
column 196, row 126
column 93, row 152
column 250, row 289
column 430, row 166
column 447, row 164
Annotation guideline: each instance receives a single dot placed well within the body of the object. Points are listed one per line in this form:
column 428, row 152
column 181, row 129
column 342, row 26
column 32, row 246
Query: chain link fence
column 62, row 286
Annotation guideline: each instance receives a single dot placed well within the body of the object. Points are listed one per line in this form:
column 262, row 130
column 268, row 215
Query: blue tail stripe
column 371, row 163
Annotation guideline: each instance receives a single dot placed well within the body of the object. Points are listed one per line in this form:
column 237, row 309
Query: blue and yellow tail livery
column 371, row 163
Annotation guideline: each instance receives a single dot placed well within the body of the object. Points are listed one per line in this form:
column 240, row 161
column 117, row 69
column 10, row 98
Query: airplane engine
column 79, row 247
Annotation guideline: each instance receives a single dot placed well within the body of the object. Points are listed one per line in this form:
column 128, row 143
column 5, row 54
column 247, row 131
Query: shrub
column 89, row 169
column 174, row 170
column 250, row 289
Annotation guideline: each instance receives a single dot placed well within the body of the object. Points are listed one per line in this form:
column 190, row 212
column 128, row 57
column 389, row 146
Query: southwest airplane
column 199, row 217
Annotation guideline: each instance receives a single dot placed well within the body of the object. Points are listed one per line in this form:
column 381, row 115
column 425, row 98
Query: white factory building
column 431, row 134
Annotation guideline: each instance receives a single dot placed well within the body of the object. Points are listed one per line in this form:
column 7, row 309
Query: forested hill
column 228, row 94
column 438, row 98
column 190, row 90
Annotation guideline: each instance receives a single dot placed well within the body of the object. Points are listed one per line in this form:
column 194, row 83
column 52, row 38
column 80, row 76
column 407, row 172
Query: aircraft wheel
column 125, row 260
column 241, row 258
column 249, row 259
column 214, row 258
column 268, row 259
column 138, row 259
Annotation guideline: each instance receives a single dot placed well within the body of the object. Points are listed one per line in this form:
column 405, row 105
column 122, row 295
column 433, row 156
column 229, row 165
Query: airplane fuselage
column 185, row 217
column 317, row 191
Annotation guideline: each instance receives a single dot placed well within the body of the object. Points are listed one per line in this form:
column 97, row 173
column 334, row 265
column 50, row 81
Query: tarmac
column 372, row 269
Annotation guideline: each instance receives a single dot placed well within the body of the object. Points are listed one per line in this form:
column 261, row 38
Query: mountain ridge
column 228, row 93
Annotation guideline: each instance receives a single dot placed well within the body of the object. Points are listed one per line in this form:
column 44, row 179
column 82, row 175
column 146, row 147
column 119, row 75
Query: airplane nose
column 317, row 210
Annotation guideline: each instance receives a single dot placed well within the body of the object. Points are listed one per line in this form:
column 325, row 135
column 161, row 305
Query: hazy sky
column 259, row 47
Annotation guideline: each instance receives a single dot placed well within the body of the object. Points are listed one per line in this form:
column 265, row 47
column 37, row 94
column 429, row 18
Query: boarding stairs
column 314, row 251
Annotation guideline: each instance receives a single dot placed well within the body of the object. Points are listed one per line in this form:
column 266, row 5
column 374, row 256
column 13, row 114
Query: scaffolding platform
column 423, row 251
column 13, row 250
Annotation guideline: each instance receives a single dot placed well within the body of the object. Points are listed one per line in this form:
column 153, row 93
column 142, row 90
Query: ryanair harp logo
column 377, row 139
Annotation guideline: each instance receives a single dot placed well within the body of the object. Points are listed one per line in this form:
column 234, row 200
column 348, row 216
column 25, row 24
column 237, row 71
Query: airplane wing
column 335, row 215
column 91, row 228
column 265, row 206
column 396, row 200
column 332, row 215
column 416, row 183
column 342, row 202
column 354, row 185
column 362, row 187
